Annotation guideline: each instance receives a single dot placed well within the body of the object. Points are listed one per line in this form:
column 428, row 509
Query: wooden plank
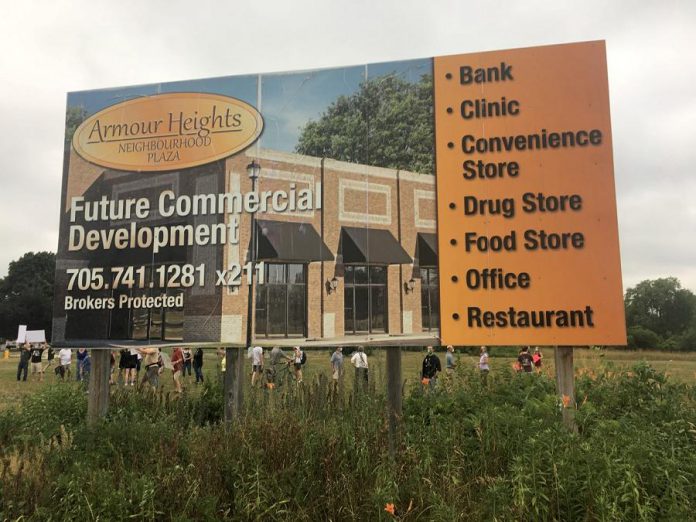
column 565, row 384
column 394, row 400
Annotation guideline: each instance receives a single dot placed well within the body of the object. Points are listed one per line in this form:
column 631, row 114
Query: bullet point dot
column 455, row 317
column 452, row 206
column 455, row 279
column 449, row 110
column 450, row 145
column 448, row 76
column 453, row 241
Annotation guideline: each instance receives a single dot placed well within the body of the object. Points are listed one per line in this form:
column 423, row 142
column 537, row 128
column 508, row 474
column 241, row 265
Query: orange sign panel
column 527, row 228
column 168, row 132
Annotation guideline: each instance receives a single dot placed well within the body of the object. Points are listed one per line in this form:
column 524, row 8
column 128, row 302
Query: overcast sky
column 50, row 48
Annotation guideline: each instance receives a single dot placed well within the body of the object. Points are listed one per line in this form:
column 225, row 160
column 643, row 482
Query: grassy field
column 680, row 367
column 464, row 451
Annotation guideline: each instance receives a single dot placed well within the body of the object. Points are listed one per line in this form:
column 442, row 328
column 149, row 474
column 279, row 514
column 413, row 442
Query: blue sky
column 288, row 100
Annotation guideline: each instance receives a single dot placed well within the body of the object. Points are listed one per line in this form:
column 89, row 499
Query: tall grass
column 465, row 451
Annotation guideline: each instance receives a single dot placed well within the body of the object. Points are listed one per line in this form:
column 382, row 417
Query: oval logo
column 167, row 132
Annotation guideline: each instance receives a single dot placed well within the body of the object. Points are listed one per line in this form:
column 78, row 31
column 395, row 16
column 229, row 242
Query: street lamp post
column 253, row 170
column 234, row 380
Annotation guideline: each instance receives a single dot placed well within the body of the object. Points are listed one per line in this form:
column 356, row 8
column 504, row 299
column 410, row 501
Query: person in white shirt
column 256, row 364
column 65, row 358
column 359, row 360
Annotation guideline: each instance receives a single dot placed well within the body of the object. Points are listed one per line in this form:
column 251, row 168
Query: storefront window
column 430, row 299
column 281, row 302
column 365, row 298
column 142, row 323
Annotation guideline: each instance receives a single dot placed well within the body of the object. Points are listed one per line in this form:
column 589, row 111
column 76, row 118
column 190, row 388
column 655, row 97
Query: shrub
column 640, row 337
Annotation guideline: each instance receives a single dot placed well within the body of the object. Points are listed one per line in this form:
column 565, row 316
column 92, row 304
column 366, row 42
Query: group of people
column 33, row 355
column 527, row 362
column 270, row 369
column 266, row 369
column 180, row 364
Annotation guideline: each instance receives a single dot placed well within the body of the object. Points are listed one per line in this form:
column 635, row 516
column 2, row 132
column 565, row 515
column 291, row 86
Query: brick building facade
column 362, row 268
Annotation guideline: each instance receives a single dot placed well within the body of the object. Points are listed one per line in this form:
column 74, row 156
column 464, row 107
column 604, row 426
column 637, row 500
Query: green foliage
column 660, row 305
column 640, row 337
column 466, row 451
column 73, row 118
column 26, row 294
column 387, row 123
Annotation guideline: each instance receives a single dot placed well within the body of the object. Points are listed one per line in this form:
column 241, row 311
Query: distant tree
column 660, row 305
column 74, row 117
column 387, row 123
column 26, row 294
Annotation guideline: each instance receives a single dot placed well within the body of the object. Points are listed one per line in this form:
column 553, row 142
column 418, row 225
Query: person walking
column 151, row 361
column 298, row 360
column 525, row 360
column 23, row 366
column 431, row 368
column 277, row 358
column 359, row 360
column 50, row 356
column 256, row 365
column 537, row 359
column 177, row 367
column 337, row 367
column 450, row 363
column 36, row 364
column 81, row 354
column 188, row 360
column 483, row 365
column 198, row 365
column 65, row 360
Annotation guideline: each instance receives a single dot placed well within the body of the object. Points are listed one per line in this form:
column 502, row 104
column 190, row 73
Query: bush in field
column 640, row 337
column 465, row 452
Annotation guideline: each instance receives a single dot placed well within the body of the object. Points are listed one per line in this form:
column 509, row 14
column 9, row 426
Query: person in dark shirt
column 198, row 365
column 431, row 368
column 36, row 364
column 81, row 354
column 525, row 360
column 23, row 366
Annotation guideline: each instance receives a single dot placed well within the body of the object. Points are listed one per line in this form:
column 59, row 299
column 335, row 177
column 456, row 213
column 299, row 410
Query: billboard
column 458, row 200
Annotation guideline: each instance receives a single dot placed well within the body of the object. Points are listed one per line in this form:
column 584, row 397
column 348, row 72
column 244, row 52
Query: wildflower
column 389, row 508
column 425, row 381
column 566, row 401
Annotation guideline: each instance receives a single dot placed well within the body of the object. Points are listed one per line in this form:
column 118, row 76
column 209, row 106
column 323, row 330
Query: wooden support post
column 233, row 384
column 98, row 400
column 228, row 386
column 393, row 396
column 565, row 382
column 239, row 381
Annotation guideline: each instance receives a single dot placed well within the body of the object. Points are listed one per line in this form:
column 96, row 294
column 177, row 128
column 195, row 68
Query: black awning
column 426, row 249
column 371, row 245
column 288, row 241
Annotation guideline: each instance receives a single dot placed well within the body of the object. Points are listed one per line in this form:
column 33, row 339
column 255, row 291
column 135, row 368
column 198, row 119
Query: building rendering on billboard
column 464, row 199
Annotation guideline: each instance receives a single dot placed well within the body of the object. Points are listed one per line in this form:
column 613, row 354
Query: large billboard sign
column 458, row 200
